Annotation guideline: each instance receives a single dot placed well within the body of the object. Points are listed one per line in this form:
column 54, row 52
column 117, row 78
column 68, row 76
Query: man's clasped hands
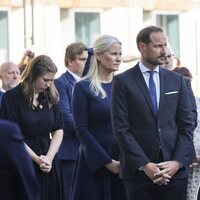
column 161, row 173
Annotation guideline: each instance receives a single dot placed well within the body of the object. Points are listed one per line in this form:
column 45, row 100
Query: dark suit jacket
column 69, row 147
column 192, row 101
column 17, row 175
column 141, row 133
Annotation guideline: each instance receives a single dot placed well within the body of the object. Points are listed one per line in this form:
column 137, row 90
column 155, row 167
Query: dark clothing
column 141, row 133
column 91, row 180
column 147, row 190
column 192, row 101
column 69, row 147
column 1, row 95
column 36, row 125
column 17, row 175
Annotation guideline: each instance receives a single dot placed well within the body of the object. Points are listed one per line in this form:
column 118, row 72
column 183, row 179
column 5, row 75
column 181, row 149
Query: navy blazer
column 140, row 132
column 17, row 176
column 69, row 147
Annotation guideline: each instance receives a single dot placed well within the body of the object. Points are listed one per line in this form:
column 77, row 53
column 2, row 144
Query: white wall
column 190, row 45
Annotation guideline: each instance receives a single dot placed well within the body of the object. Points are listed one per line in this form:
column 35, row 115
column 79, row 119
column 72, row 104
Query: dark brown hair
column 144, row 34
column 183, row 71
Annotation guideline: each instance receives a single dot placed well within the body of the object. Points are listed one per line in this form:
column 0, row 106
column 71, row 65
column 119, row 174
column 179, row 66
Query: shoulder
column 125, row 77
column 83, row 83
column 64, row 78
column 15, row 91
column 9, row 130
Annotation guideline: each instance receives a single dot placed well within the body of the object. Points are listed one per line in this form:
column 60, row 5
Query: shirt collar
column 2, row 90
column 76, row 77
column 145, row 69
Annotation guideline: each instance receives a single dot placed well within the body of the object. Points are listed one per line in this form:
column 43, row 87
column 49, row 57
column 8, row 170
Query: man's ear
column 141, row 46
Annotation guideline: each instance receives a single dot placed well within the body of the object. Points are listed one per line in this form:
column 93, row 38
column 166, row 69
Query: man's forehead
column 158, row 37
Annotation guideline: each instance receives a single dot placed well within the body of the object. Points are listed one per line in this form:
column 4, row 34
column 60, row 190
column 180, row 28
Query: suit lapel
column 70, row 78
column 143, row 86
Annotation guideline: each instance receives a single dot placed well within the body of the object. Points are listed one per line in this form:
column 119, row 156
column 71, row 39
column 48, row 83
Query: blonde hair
column 101, row 45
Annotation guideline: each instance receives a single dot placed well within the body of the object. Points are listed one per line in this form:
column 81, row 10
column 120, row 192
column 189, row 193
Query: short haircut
column 73, row 50
column 144, row 34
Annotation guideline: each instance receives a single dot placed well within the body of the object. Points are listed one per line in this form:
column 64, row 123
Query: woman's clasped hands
column 45, row 163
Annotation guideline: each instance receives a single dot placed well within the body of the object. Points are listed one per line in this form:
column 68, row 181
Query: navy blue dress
column 91, row 180
column 36, row 125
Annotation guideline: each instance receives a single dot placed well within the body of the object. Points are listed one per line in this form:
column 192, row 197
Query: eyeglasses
column 169, row 56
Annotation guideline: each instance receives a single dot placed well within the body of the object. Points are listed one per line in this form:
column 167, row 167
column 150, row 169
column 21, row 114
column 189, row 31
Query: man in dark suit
column 17, row 175
column 75, row 58
column 153, row 123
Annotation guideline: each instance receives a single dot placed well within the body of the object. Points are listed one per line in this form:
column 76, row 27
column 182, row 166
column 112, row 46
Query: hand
column 113, row 166
column 162, row 177
column 45, row 164
column 155, row 174
column 170, row 167
column 193, row 165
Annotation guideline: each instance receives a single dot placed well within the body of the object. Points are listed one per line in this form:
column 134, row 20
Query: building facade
column 48, row 26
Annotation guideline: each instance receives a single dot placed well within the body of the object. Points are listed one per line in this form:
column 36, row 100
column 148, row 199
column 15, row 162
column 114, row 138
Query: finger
column 166, row 176
column 161, row 172
column 158, row 180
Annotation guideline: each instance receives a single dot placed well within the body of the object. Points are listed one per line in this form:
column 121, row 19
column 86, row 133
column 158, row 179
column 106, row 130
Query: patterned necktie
column 152, row 91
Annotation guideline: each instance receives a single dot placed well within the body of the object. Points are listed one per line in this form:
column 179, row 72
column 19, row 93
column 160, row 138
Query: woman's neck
column 105, row 77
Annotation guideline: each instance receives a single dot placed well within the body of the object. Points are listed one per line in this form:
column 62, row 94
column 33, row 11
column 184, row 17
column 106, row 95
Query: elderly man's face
column 10, row 75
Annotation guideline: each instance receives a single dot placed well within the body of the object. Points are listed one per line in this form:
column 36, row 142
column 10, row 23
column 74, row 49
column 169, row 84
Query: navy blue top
column 97, row 145
column 93, row 125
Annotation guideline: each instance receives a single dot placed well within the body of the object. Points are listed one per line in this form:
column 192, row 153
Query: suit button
column 159, row 130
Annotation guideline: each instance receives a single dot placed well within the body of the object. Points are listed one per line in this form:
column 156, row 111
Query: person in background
column 96, row 169
column 75, row 58
column 28, row 55
column 188, row 78
column 9, row 75
column 168, row 59
column 153, row 123
column 194, row 173
column 169, row 64
column 33, row 105
column 17, row 178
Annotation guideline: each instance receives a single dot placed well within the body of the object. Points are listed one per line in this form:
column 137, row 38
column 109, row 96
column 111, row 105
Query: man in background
column 9, row 75
column 75, row 59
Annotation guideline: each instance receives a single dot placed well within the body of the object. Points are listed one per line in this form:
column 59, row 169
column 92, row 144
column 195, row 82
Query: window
column 87, row 27
column 4, row 36
column 170, row 23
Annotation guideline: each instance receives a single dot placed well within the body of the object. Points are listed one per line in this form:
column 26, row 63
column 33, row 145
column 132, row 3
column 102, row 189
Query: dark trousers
column 147, row 190
column 68, row 167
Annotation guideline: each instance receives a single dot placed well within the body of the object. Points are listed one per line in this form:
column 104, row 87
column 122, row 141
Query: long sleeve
column 95, row 154
column 65, row 92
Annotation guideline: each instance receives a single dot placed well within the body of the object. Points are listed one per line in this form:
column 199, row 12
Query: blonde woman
column 97, row 166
